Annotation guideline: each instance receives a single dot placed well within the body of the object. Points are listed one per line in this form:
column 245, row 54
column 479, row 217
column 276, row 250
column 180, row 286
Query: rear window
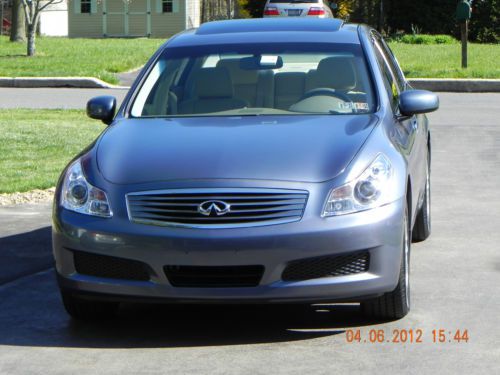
column 257, row 79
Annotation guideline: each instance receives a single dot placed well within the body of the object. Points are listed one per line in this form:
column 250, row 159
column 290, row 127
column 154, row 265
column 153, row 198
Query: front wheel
column 395, row 304
column 82, row 309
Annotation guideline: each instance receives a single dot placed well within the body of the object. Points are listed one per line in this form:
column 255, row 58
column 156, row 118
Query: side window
column 164, row 6
column 85, row 6
column 393, row 64
column 167, row 6
column 390, row 83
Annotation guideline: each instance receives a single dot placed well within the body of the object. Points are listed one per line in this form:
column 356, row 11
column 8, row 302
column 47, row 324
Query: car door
column 410, row 131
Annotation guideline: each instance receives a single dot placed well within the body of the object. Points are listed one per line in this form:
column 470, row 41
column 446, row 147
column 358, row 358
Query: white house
column 54, row 19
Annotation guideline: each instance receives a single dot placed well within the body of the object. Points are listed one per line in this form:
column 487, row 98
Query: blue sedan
column 252, row 161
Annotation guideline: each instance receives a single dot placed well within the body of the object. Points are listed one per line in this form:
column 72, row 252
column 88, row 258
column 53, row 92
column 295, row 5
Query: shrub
column 485, row 21
column 424, row 39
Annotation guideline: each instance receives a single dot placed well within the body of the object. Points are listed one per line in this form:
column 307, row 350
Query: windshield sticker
column 354, row 105
column 361, row 106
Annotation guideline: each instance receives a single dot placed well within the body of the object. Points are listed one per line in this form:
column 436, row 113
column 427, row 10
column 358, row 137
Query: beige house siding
column 84, row 25
column 136, row 23
column 167, row 24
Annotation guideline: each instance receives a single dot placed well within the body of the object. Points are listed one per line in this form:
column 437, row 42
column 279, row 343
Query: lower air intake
column 109, row 267
column 327, row 266
column 214, row 277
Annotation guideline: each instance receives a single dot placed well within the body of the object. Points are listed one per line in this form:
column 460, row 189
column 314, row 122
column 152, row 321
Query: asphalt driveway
column 455, row 286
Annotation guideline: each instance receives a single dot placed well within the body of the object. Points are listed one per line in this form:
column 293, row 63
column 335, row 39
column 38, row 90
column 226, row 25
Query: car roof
column 269, row 30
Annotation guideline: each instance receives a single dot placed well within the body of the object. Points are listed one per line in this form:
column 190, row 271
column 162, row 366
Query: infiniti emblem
column 218, row 208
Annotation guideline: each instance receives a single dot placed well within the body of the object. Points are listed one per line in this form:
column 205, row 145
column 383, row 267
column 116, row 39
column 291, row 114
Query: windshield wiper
column 334, row 112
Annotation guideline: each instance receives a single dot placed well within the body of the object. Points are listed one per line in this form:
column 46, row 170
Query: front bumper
column 378, row 231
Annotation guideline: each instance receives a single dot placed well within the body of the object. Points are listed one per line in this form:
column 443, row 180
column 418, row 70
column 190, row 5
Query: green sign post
column 463, row 14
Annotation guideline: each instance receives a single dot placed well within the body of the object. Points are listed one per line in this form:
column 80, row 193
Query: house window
column 167, row 6
column 85, row 6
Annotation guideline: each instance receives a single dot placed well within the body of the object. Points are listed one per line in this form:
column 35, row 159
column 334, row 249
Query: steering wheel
column 326, row 91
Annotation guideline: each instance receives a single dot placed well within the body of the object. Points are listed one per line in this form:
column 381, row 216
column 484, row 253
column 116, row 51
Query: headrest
column 337, row 72
column 213, row 83
column 238, row 75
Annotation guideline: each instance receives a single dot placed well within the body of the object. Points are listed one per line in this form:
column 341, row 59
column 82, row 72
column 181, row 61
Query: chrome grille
column 248, row 207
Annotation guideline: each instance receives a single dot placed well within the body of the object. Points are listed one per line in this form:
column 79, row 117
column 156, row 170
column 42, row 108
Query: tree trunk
column 18, row 28
column 31, row 39
column 1, row 17
column 228, row 9
column 236, row 9
column 381, row 16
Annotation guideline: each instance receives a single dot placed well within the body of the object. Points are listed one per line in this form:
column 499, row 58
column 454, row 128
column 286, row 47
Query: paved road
column 455, row 285
column 53, row 97
column 128, row 78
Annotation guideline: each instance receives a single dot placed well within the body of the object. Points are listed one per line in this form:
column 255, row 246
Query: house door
column 126, row 18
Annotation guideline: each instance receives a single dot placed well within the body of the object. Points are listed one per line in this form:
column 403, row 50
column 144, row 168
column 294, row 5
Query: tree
column 410, row 16
column 212, row 10
column 344, row 9
column 371, row 12
column 32, row 10
column 255, row 8
column 427, row 16
column 485, row 21
column 18, row 28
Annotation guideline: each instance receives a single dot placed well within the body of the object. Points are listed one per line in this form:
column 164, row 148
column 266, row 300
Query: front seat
column 333, row 72
column 245, row 82
column 213, row 92
column 338, row 73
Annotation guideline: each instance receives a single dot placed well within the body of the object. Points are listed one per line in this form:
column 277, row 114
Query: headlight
column 80, row 196
column 371, row 189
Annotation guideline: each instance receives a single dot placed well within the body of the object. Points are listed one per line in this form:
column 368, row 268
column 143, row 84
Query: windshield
column 257, row 79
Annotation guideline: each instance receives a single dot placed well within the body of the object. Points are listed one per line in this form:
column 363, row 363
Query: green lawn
column 102, row 58
column 444, row 60
column 64, row 57
column 35, row 145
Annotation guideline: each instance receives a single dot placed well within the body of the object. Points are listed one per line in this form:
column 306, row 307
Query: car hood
column 290, row 148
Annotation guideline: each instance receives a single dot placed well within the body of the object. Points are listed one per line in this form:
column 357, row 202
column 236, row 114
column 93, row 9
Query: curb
column 433, row 84
column 72, row 82
column 456, row 85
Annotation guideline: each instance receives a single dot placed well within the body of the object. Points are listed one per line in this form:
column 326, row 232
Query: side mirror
column 102, row 108
column 413, row 102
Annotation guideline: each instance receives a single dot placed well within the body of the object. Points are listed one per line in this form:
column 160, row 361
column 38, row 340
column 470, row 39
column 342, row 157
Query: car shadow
column 192, row 326
column 32, row 314
column 25, row 254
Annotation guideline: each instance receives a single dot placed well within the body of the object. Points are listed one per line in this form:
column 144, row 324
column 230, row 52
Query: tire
column 395, row 304
column 422, row 227
column 82, row 309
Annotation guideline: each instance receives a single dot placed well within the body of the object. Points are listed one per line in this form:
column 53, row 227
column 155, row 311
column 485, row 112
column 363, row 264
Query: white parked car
column 298, row 8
